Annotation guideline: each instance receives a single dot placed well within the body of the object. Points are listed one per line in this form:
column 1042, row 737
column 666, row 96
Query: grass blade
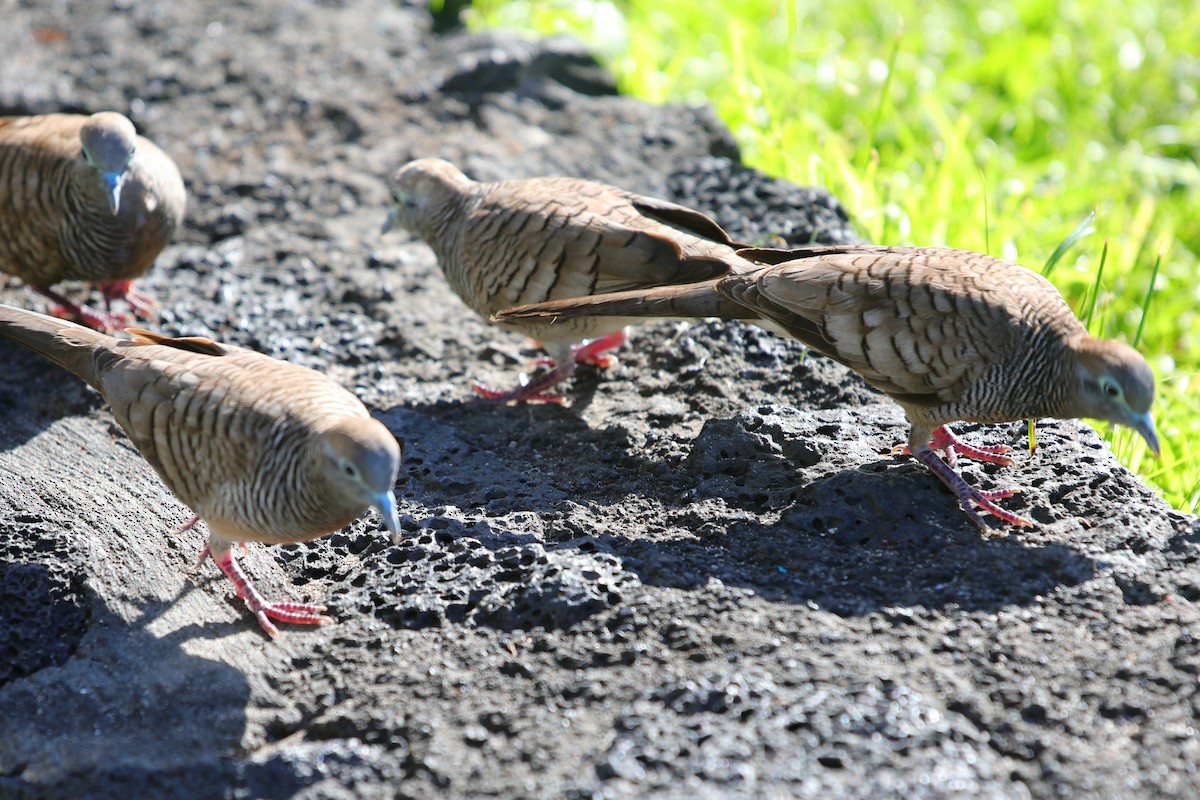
column 1087, row 320
column 1083, row 229
column 1137, row 337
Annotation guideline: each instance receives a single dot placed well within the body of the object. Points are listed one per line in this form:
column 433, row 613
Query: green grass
column 990, row 125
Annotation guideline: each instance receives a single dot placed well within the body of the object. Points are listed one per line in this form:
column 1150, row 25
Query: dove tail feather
column 71, row 346
column 690, row 301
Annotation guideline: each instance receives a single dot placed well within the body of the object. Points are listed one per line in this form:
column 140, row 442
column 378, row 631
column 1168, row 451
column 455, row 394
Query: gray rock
column 704, row 578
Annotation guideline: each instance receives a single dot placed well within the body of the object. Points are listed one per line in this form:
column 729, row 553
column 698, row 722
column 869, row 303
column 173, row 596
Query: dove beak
column 113, row 181
column 390, row 222
column 1144, row 424
column 386, row 503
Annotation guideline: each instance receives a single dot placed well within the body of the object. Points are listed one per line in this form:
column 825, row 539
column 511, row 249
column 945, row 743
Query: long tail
column 768, row 255
column 690, row 301
column 71, row 346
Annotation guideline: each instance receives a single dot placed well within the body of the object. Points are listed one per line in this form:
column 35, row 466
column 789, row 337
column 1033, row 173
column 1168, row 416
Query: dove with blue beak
column 260, row 449
column 93, row 201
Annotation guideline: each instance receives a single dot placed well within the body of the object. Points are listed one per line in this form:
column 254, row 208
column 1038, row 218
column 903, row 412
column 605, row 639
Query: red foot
column 143, row 305
column 187, row 526
column 943, row 439
column 535, row 391
column 264, row 610
column 590, row 351
column 968, row 494
column 603, row 362
column 521, row 395
column 200, row 559
column 101, row 321
column 953, row 447
column 184, row 528
column 205, row 552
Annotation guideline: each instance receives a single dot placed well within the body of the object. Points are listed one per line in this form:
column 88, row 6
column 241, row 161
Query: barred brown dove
column 261, row 449
column 525, row 241
column 85, row 198
column 948, row 334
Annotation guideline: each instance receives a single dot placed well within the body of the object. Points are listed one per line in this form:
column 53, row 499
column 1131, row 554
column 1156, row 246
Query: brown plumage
column 526, row 241
column 84, row 198
column 261, row 449
column 948, row 334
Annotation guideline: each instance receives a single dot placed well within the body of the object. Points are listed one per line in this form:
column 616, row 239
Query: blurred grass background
column 993, row 125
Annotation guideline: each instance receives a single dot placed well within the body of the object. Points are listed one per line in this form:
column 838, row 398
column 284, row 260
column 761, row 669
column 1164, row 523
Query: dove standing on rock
column 260, row 449
column 948, row 334
column 526, row 241
column 85, row 198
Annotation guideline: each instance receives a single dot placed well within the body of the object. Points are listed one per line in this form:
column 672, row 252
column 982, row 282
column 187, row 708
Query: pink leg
column 204, row 551
column 967, row 494
column 143, row 305
column 952, row 446
column 265, row 611
column 200, row 559
column 945, row 440
column 67, row 309
column 187, row 526
column 184, row 528
column 536, row 391
column 590, row 352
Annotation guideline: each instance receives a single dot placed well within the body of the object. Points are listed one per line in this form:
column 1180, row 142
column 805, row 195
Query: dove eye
column 348, row 469
column 1110, row 387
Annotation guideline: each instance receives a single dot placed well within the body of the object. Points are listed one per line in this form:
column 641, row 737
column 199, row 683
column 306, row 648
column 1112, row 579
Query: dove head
column 1115, row 384
column 109, row 140
column 360, row 459
column 421, row 190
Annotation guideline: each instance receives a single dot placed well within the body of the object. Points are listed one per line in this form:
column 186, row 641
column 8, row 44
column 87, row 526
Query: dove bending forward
column 948, row 334
column 525, row 241
column 260, row 449
column 84, row 198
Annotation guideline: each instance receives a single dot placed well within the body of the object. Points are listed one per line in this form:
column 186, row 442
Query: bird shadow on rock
column 508, row 459
column 45, row 616
column 473, row 506
column 34, row 393
column 805, row 509
column 208, row 586
column 892, row 537
column 905, row 545
column 129, row 714
column 530, row 506
column 451, row 573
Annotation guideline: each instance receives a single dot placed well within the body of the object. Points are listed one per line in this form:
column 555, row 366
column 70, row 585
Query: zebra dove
column 261, row 449
column 85, row 198
column 526, row 241
column 948, row 334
